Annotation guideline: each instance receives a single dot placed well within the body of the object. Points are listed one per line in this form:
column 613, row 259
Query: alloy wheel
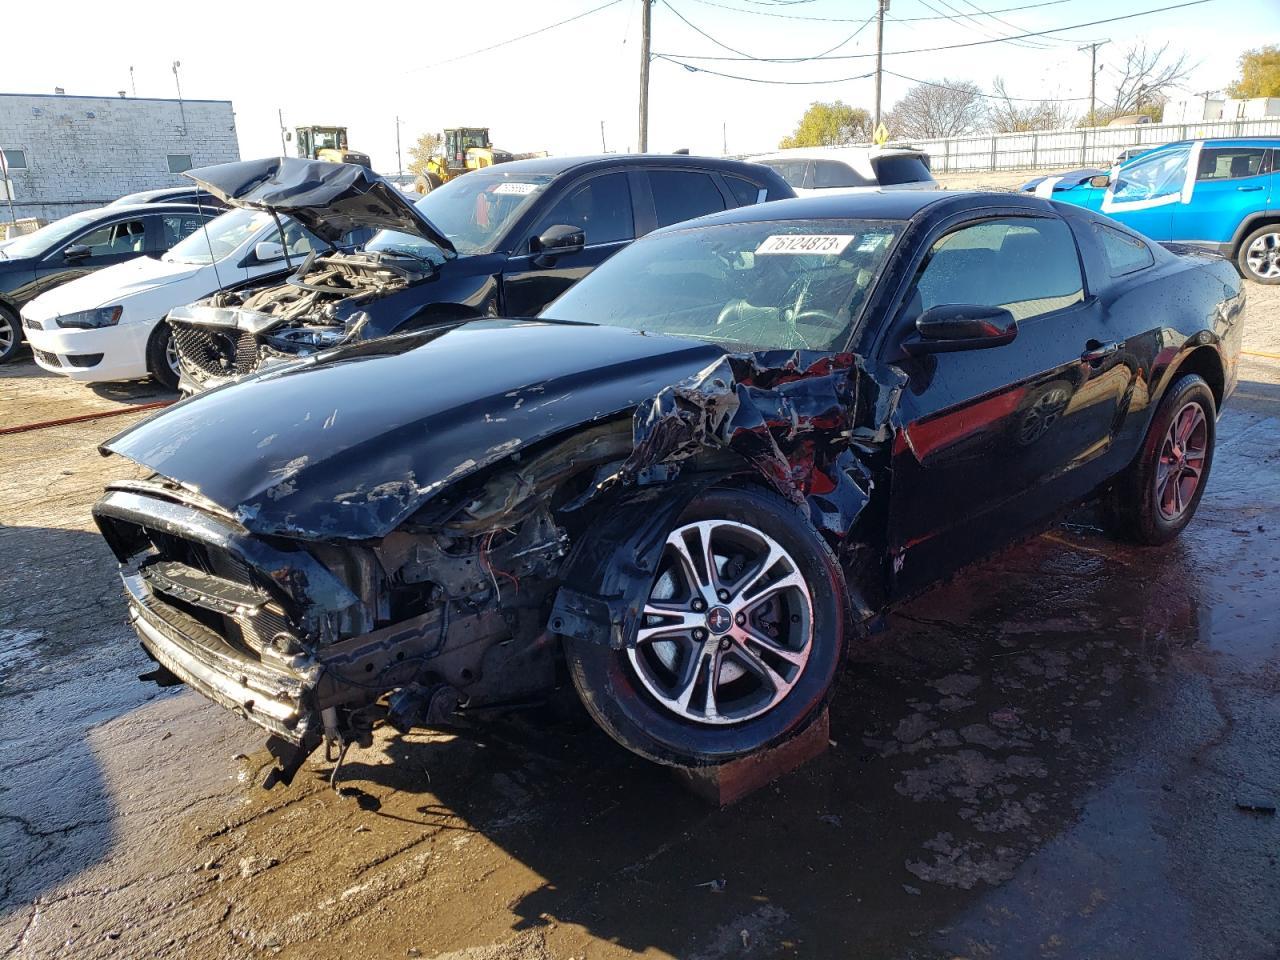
column 1181, row 464
column 7, row 334
column 171, row 356
column 728, row 626
column 1263, row 256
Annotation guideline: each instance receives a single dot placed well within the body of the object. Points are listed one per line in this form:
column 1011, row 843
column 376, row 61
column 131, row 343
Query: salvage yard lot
column 1047, row 757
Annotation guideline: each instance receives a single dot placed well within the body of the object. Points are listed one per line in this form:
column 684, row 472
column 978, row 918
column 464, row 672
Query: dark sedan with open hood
column 686, row 486
column 501, row 241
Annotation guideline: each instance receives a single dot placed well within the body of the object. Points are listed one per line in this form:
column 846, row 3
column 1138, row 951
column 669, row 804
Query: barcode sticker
column 811, row 243
column 511, row 187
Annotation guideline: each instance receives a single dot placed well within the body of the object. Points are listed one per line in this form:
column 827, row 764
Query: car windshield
column 773, row 285
column 41, row 241
column 221, row 237
column 473, row 211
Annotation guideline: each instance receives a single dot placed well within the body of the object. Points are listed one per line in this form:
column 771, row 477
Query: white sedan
column 824, row 171
column 109, row 325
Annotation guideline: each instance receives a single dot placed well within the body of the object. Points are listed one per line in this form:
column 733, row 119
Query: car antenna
column 284, row 243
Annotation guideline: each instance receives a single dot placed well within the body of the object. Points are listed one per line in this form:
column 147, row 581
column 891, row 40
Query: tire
column 1258, row 258
column 162, row 358
column 427, row 182
column 1153, row 500
column 634, row 693
column 10, row 334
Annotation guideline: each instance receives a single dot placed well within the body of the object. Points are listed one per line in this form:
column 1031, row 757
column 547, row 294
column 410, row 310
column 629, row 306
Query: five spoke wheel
column 1181, row 464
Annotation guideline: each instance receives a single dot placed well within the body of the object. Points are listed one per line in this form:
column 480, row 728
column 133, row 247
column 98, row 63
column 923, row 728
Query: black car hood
column 329, row 199
column 351, row 442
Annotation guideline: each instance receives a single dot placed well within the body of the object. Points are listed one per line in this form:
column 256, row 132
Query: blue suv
column 1220, row 194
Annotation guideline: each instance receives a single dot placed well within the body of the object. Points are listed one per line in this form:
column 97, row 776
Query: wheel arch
column 1251, row 223
column 1206, row 361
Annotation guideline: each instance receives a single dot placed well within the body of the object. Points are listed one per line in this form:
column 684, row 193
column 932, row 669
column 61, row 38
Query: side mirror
column 962, row 326
column 265, row 251
column 77, row 251
column 558, row 240
column 1101, row 180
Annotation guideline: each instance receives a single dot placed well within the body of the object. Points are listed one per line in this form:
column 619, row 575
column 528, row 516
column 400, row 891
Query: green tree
column 1259, row 74
column 829, row 125
column 421, row 152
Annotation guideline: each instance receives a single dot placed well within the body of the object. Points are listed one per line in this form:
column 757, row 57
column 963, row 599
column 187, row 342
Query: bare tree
column 948, row 108
column 1006, row 114
column 1146, row 76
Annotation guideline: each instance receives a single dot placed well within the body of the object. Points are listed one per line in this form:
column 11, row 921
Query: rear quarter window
column 745, row 192
column 901, row 169
column 1122, row 253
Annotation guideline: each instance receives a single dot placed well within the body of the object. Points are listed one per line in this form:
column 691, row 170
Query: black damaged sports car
column 688, row 485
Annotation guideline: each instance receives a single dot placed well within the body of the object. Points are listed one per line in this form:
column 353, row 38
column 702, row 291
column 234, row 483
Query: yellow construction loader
column 327, row 143
column 463, row 149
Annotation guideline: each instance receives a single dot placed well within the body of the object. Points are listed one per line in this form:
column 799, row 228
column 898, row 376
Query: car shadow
column 963, row 739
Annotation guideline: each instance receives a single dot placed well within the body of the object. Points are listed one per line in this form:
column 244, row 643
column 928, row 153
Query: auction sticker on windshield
column 517, row 189
column 805, row 243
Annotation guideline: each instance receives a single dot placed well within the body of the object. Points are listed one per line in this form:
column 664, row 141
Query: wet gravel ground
column 1053, row 756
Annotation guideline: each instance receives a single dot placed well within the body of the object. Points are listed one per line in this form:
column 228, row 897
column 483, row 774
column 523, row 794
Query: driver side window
column 123, row 237
column 601, row 208
column 1153, row 177
column 1028, row 266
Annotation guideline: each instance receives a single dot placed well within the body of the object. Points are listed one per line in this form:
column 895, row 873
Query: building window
column 179, row 162
column 15, row 159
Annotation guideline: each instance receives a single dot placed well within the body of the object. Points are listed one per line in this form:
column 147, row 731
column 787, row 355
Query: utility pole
column 8, row 192
column 399, row 162
column 1093, row 78
column 646, row 16
column 133, row 84
column 882, row 6
column 724, row 138
column 603, row 147
column 284, row 151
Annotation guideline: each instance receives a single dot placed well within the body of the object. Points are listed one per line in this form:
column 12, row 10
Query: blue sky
column 362, row 66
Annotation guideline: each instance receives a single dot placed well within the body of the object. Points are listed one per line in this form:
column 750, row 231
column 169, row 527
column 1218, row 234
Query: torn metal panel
column 329, row 199
column 788, row 413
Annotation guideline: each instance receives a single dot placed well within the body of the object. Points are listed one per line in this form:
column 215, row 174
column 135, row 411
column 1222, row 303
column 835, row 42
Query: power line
column 745, row 55
column 973, row 43
column 987, row 96
column 523, row 36
column 971, row 23
column 733, row 76
column 797, row 16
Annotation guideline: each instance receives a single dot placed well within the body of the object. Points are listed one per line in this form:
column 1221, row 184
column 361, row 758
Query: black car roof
column 554, row 166
column 871, row 205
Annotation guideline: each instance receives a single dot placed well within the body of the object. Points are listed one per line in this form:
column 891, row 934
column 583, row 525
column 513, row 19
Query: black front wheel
column 10, row 334
column 162, row 357
column 741, row 637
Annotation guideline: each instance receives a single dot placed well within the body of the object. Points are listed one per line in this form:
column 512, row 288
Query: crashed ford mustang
column 687, row 485
column 505, row 240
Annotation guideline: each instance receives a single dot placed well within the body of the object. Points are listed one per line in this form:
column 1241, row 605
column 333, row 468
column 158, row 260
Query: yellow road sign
column 881, row 136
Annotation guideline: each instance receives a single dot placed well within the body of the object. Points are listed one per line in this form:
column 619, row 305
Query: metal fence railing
column 1090, row 147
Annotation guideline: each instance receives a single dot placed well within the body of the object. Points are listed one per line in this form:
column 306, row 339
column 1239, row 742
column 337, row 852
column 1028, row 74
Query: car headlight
column 92, row 319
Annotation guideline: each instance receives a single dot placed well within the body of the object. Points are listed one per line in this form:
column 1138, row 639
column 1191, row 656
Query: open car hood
column 329, row 199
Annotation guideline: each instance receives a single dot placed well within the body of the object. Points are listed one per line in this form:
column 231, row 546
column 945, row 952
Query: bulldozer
column 462, row 150
column 327, row 143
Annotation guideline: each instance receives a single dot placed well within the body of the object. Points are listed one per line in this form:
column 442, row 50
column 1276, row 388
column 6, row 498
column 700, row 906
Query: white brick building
column 69, row 153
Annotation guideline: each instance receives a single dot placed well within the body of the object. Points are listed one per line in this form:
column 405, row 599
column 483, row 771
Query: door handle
column 1095, row 351
column 1249, row 189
